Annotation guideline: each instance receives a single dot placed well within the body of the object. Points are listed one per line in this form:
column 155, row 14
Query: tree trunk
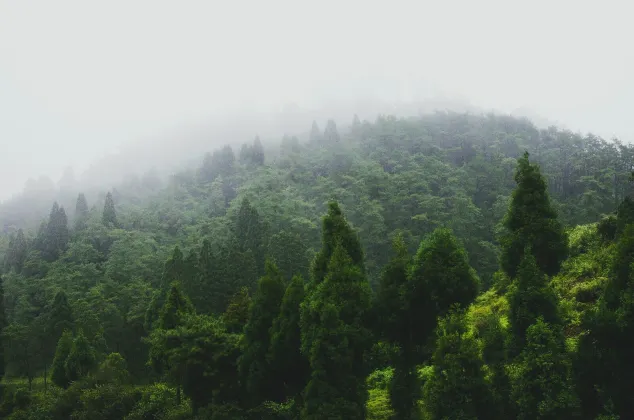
column 45, row 378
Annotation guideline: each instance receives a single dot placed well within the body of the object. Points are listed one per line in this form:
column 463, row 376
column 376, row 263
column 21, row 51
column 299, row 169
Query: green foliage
column 335, row 339
column 237, row 314
column 290, row 254
column 285, row 358
column 81, row 212
column 457, row 388
column 440, row 277
column 81, row 359
column 109, row 215
column 58, row 370
column 532, row 221
column 530, row 297
column 541, row 379
column 254, row 367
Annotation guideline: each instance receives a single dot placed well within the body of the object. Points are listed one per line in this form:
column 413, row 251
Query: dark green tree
column 394, row 326
column 457, row 388
column 529, row 297
column 251, row 233
column 542, row 386
column 81, row 212
column 237, row 314
column 109, row 216
column 290, row 254
column 253, row 366
column 335, row 338
column 336, row 230
column 58, row 370
column 57, row 235
column 440, row 277
column 532, row 221
column 81, row 359
column 285, row 357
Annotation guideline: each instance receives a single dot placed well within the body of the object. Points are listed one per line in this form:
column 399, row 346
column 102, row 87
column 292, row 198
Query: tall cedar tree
column 58, row 370
column 109, row 216
column 81, row 359
column 336, row 230
column 237, row 314
column 285, row 357
column 289, row 252
column 604, row 361
column 532, row 221
column 250, row 232
column 81, row 212
column 394, row 326
column 530, row 297
column 173, row 271
column 60, row 319
column 16, row 252
column 542, row 387
column 335, row 338
column 57, row 235
column 315, row 134
column 257, row 152
column 3, row 324
column 457, row 388
column 440, row 277
column 331, row 135
column 254, row 368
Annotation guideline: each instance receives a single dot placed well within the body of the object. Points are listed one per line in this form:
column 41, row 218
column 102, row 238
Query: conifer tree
column 109, row 216
column 237, row 314
column 3, row 324
column 60, row 319
column 257, row 152
column 315, row 134
column 457, row 388
column 285, row 357
column 289, row 252
column 264, row 308
column 541, row 383
column 532, row 221
column 331, row 135
column 81, row 212
column 81, row 359
column 336, row 230
column 175, row 307
column 335, row 338
column 16, row 252
column 530, row 297
column 395, row 326
column 244, row 157
column 58, row 370
column 440, row 277
column 57, row 235
column 250, row 231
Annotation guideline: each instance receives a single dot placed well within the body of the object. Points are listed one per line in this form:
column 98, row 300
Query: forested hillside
column 445, row 266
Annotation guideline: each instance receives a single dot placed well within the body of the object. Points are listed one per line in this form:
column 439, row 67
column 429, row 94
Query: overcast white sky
column 78, row 78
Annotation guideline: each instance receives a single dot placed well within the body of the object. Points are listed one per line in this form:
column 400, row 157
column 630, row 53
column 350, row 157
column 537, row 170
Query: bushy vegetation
column 447, row 266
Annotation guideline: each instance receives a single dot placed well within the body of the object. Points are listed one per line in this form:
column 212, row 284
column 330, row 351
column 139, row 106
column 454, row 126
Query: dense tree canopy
column 262, row 284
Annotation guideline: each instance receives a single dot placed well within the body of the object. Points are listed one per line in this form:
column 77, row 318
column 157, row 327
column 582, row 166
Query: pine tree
column 81, row 212
column 176, row 306
column 315, row 134
column 58, row 371
column 290, row 254
column 532, row 221
column 59, row 320
column 3, row 324
column 541, row 385
column 331, row 135
column 394, row 325
column 81, row 359
column 109, row 217
column 250, row 232
column 57, row 235
column 285, row 358
column 440, row 278
column 457, row 388
column 336, row 230
column 257, row 152
column 265, row 306
column 173, row 272
column 237, row 314
column 335, row 338
column 530, row 298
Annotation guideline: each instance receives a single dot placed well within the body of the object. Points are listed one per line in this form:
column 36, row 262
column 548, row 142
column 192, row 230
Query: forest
column 444, row 266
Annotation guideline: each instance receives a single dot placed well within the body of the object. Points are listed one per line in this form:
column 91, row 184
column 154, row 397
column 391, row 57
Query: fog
column 147, row 79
